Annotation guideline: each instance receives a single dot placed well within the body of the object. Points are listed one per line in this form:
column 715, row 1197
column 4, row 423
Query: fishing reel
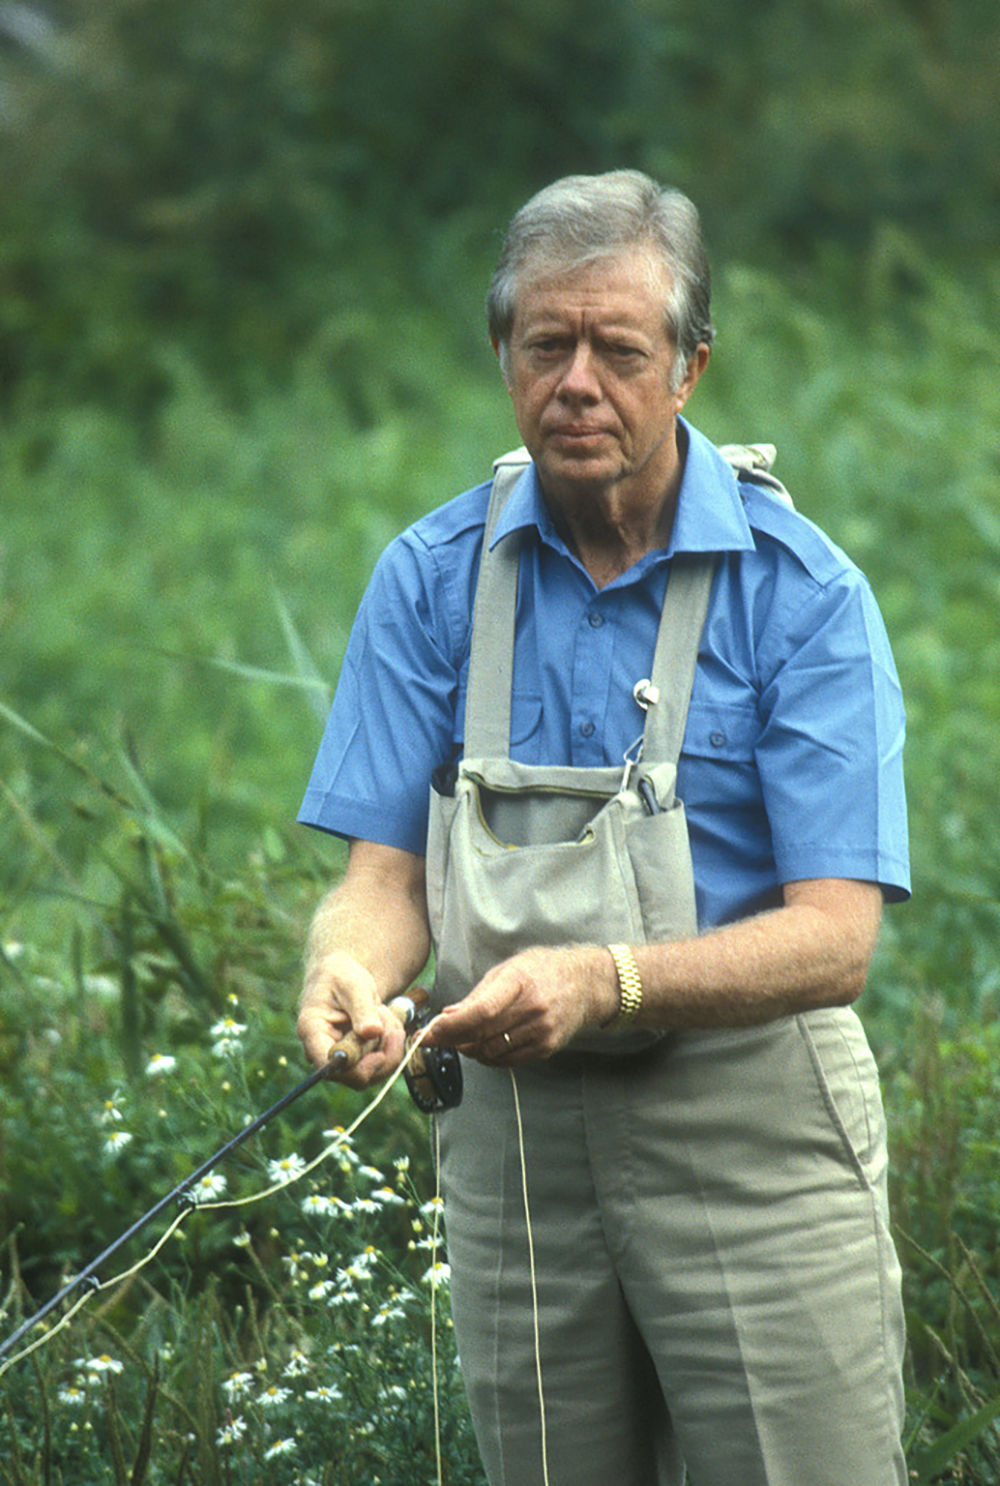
column 434, row 1074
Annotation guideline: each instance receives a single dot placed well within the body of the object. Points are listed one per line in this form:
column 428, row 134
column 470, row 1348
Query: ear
column 692, row 376
column 496, row 349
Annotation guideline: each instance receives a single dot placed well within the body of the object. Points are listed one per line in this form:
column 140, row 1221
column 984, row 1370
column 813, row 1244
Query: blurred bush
column 242, row 179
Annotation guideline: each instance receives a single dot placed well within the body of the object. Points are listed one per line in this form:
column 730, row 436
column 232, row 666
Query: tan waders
column 715, row 1276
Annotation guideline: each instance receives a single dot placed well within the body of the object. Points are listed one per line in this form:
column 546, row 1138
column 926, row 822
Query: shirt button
column 594, row 619
column 587, row 729
column 717, row 740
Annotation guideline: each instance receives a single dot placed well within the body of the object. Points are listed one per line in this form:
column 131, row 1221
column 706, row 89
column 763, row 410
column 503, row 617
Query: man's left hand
column 530, row 1006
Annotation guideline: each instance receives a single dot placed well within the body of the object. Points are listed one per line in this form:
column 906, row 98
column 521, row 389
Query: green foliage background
column 243, row 249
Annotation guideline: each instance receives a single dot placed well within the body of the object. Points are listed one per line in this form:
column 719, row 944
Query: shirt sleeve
column 830, row 750
column 393, row 716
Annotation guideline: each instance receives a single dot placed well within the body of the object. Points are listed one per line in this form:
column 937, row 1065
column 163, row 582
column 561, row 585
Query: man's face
column 590, row 374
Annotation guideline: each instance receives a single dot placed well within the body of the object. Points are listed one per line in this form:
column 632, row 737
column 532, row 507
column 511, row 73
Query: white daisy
column 102, row 1364
column 227, row 1028
column 387, row 1313
column 232, row 1431
column 116, row 1141
column 337, row 1137
column 344, row 1297
column 161, row 1063
column 317, row 1206
column 388, row 1197
column 287, row 1169
column 438, row 1274
column 364, row 1205
column 280, row 1447
column 297, row 1366
column 273, row 1397
column 207, row 1188
column 237, row 1385
column 323, row 1394
column 227, row 1034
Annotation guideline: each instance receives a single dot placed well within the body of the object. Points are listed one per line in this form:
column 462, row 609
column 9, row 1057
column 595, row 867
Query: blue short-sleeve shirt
column 792, row 760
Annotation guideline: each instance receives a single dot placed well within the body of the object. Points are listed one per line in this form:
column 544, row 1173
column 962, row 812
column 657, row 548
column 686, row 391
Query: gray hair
column 583, row 218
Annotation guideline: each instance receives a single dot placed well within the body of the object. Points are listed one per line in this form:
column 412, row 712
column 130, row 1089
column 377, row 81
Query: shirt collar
column 710, row 515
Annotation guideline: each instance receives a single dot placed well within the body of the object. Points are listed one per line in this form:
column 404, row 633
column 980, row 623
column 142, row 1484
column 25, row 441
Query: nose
column 579, row 381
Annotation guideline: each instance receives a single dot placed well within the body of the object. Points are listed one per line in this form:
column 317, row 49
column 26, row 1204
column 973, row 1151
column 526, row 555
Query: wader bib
column 715, row 1276
column 522, row 855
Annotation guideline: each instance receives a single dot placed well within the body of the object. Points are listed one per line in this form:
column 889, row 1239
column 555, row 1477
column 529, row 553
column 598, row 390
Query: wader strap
column 491, row 664
column 676, row 657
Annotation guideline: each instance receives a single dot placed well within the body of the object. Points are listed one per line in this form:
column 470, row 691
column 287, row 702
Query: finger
column 483, row 1013
column 504, row 1046
column 496, row 1050
column 317, row 1030
column 376, row 1062
column 347, row 1052
column 502, row 1052
column 362, row 1008
column 350, row 1049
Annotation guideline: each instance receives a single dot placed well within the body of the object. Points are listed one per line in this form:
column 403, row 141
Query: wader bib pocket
column 521, row 855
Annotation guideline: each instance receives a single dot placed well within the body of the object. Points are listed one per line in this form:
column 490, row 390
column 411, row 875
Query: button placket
column 590, row 682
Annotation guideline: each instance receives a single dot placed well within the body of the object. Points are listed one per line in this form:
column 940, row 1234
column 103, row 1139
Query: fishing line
column 435, row 1231
column 126, row 1274
column 190, row 1204
column 47, row 1336
column 534, row 1284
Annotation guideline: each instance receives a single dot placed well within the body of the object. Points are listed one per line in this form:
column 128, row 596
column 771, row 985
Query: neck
column 608, row 533
column 610, row 527
column 611, row 523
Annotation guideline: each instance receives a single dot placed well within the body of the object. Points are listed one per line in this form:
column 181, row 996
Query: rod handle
column 348, row 1052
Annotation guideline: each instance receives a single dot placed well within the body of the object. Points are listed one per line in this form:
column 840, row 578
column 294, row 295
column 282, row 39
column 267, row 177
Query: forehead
column 629, row 287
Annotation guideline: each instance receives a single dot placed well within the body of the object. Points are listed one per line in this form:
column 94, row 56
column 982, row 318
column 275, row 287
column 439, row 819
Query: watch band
column 629, row 986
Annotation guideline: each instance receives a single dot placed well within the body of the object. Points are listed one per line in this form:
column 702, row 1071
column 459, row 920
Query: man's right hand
column 340, row 996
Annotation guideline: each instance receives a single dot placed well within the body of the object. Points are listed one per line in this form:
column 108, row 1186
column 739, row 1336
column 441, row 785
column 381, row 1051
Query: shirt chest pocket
column 718, row 769
column 725, row 732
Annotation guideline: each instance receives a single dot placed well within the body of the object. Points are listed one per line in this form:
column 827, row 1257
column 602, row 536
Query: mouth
column 578, row 434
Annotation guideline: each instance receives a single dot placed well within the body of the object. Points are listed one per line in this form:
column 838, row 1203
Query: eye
column 622, row 351
column 547, row 346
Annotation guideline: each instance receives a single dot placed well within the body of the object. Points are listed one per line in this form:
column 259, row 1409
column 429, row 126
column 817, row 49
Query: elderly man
column 619, row 735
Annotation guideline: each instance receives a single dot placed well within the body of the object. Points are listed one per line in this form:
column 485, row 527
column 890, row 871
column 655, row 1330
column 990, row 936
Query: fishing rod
column 433, row 1076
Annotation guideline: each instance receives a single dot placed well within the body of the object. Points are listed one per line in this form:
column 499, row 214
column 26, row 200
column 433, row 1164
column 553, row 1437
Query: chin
column 588, row 468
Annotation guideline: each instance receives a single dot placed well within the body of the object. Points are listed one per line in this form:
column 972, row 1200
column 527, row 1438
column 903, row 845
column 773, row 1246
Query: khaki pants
column 716, row 1279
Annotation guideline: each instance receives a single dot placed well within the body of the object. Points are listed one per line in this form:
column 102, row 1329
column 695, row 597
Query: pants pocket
column 847, row 1080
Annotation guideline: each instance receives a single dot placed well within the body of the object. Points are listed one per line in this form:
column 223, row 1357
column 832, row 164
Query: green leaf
column 305, row 666
column 930, row 1462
